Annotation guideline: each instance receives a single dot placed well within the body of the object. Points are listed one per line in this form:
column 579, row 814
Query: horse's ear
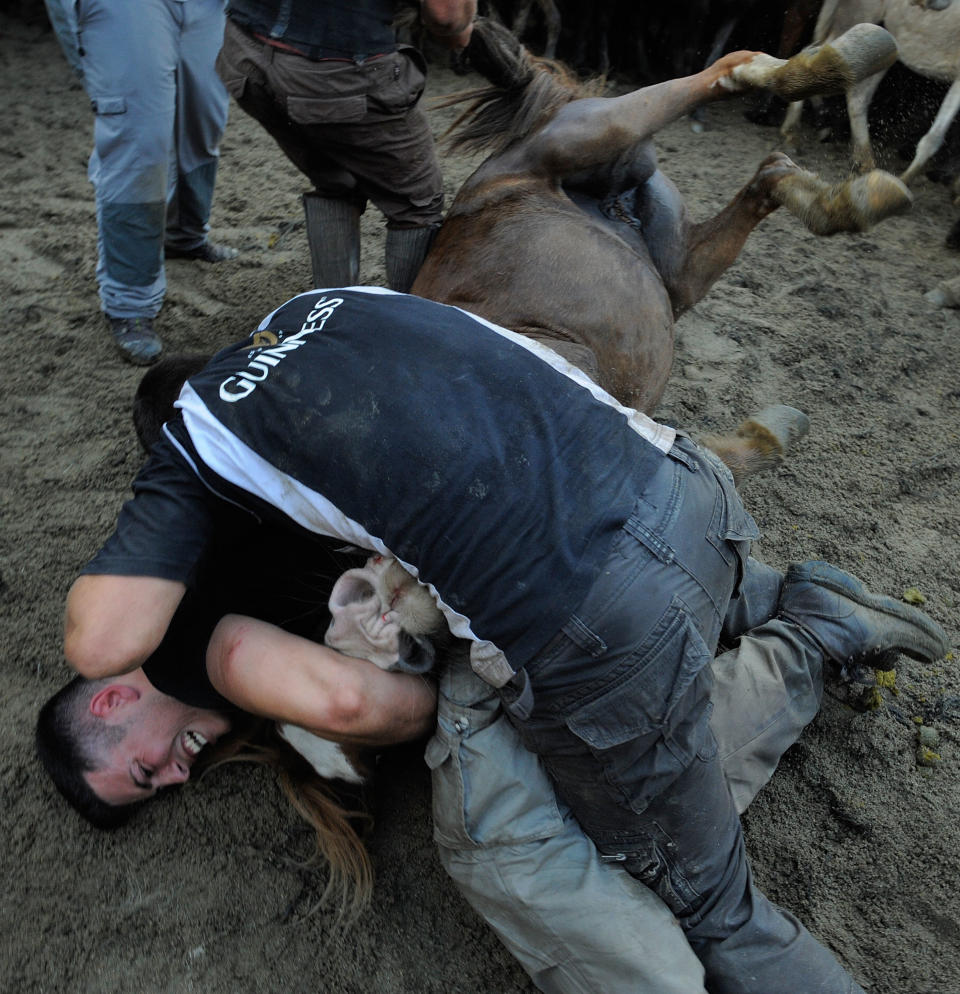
column 159, row 388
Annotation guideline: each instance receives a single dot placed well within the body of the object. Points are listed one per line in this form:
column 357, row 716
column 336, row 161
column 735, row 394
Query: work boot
column 405, row 252
column 333, row 234
column 854, row 627
column 206, row 252
column 135, row 338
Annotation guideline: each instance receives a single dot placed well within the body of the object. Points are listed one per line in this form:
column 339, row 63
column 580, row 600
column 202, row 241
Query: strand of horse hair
column 525, row 91
column 338, row 830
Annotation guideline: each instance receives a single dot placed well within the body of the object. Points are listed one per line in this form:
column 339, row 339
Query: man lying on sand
column 591, row 558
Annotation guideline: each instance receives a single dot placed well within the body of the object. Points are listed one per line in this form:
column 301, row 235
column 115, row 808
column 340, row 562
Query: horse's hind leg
column 761, row 442
column 691, row 257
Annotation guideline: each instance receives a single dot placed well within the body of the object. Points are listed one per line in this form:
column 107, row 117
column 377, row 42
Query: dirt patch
column 203, row 891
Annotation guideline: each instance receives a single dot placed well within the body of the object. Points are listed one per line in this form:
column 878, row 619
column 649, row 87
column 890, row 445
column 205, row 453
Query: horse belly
column 928, row 40
column 573, row 283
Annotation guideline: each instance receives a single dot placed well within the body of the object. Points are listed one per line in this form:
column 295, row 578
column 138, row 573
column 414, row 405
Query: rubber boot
column 406, row 250
column 333, row 234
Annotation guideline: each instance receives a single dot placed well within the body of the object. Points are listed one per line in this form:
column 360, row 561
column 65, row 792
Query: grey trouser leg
column 577, row 925
column 202, row 105
column 160, row 111
column 63, row 20
column 765, row 692
column 518, row 858
column 767, row 689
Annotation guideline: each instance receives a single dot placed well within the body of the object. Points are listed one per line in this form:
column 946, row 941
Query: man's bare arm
column 449, row 21
column 113, row 623
column 269, row 672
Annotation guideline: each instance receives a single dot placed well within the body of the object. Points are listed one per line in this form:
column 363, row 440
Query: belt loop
column 521, row 692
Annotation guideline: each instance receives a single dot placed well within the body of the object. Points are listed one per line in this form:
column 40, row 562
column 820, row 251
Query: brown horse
column 570, row 234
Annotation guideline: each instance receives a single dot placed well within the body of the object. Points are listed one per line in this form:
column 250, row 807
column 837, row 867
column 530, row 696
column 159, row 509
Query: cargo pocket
column 327, row 110
column 488, row 790
column 397, row 81
column 650, row 722
column 732, row 529
column 107, row 106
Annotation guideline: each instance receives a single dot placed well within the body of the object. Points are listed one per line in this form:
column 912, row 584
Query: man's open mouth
column 192, row 743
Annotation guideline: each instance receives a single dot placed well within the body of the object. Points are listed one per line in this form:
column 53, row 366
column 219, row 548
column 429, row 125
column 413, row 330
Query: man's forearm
column 271, row 673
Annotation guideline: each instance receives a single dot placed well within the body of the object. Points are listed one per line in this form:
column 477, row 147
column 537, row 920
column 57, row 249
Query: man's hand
column 267, row 671
column 449, row 21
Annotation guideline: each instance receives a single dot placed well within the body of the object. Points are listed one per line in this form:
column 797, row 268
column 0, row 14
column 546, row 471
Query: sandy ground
column 204, row 891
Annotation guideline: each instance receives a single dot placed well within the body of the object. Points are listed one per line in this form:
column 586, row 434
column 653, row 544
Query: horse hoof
column 938, row 298
column 780, row 425
column 854, row 205
column 946, row 294
column 832, row 68
column 761, row 442
column 875, row 197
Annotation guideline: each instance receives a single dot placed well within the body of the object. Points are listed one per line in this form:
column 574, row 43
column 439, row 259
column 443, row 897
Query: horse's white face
column 371, row 606
column 376, row 611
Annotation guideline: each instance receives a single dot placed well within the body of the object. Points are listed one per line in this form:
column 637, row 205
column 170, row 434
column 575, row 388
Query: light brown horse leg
column 591, row 131
column 822, row 70
column 853, row 205
column 761, row 442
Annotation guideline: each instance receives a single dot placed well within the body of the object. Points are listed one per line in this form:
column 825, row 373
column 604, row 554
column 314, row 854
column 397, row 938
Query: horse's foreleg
column 852, row 205
column 834, row 67
column 593, row 131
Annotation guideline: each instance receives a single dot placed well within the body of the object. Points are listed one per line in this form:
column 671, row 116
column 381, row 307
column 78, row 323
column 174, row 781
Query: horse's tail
column 526, row 91
column 338, row 829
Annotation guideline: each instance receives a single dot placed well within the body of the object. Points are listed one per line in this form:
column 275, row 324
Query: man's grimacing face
column 163, row 739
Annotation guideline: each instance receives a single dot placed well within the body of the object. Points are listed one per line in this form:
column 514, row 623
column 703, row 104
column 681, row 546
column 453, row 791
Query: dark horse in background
column 569, row 233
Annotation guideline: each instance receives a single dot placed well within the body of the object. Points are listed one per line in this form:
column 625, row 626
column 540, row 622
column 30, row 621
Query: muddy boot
column 405, row 252
column 854, row 627
column 333, row 234
column 136, row 339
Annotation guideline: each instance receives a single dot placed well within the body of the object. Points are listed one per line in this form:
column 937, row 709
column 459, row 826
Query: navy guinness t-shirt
column 495, row 472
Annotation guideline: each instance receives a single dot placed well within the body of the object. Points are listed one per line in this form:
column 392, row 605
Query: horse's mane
column 338, row 829
column 525, row 91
